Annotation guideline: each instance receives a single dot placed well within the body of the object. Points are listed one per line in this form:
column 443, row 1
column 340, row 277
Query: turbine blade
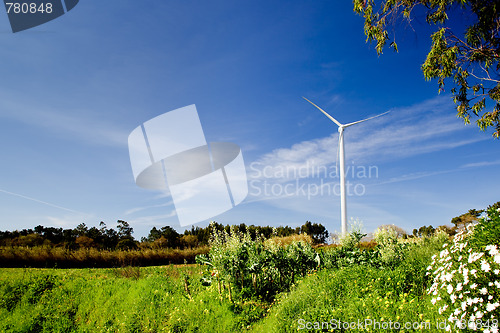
column 326, row 114
column 360, row 121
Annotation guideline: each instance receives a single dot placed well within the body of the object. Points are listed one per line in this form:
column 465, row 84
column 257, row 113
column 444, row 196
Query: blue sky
column 73, row 89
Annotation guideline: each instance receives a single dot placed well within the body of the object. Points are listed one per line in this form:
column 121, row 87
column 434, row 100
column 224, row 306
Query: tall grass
column 91, row 257
column 147, row 299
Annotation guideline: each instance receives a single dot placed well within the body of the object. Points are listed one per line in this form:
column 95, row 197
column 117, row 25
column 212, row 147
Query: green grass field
column 155, row 299
column 405, row 285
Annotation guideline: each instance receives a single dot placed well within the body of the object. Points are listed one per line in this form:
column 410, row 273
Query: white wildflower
column 490, row 307
column 485, row 266
column 492, row 249
column 475, row 256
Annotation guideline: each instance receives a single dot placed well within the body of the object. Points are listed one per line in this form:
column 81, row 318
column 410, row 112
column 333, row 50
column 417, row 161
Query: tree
column 171, row 237
column 318, row 232
column 463, row 220
column 470, row 58
column 81, row 229
column 124, row 229
column 154, row 234
column 425, row 231
column 84, row 242
column 496, row 205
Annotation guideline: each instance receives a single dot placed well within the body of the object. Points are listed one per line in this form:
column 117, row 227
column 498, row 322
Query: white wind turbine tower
column 343, row 205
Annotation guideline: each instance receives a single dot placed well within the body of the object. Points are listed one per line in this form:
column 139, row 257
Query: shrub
column 287, row 240
column 353, row 237
column 391, row 251
column 466, row 275
column 253, row 268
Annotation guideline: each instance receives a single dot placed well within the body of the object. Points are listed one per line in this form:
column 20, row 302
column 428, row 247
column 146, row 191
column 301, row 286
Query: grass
column 335, row 297
column 147, row 299
column 172, row 299
column 41, row 256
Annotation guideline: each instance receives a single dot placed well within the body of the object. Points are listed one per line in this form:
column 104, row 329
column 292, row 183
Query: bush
column 252, row 268
column 465, row 276
column 391, row 251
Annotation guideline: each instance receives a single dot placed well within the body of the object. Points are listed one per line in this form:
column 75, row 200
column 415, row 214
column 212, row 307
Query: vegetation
column 178, row 299
column 275, row 284
column 466, row 276
column 467, row 54
column 252, row 268
column 106, row 247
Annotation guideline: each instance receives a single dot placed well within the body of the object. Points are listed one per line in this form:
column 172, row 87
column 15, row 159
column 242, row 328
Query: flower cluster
column 466, row 280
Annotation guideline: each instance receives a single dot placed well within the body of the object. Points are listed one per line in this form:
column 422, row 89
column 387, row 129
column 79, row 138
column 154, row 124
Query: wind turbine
column 343, row 205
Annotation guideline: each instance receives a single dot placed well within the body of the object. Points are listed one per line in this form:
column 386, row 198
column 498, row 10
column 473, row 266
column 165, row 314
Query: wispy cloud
column 74, row 123
column 139, row 209
column 419, row 129
column 42, row 202
column 481, row 164
column 153, row 219
column 413, row 176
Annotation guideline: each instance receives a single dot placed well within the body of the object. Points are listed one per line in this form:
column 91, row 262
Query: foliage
column 174, row 298
column 317, row 231
column 92, row 257
column 487, row 231
column 125, row 300
column 344, row 257
column 333, row 298
column 385, row 236
column 287, row 240
column 470, row 58
column 424, row 231
column 466, row 276
column 351, row 239
column 166, row 237
column 391, row 251
column 464, row 220
column 253, row 268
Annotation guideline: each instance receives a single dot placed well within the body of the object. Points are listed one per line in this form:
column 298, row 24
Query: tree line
column 105, row 238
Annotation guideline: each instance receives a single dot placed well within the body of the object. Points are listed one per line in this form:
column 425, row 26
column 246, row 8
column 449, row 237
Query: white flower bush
column 354, row 236
column 391, row 250
column 465, row 277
